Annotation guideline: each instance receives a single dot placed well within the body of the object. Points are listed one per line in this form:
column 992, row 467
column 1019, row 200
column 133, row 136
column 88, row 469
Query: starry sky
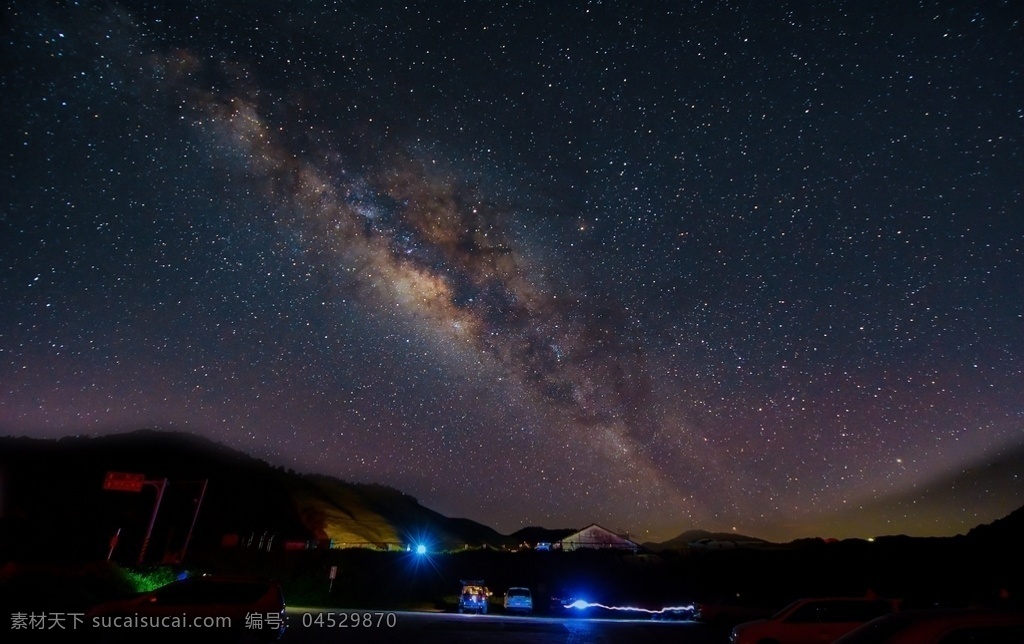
column 752, row 266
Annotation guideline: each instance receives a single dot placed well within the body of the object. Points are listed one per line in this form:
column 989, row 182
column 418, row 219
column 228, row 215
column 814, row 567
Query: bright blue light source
column 421, row 550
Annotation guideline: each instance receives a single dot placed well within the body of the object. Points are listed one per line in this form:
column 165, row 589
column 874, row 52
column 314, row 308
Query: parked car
column 942, row 626
column 473, row 598
column 195, row 608
column 518, row 599
column 812, row 621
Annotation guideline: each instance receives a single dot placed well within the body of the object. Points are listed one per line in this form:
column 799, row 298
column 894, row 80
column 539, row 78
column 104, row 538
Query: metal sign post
column 195, row 515
column 159, row 485
column 113, row 543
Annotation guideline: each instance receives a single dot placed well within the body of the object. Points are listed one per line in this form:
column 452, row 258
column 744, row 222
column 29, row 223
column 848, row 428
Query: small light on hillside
column 421, row 549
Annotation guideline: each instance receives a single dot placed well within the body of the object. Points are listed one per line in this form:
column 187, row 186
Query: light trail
column 580, row 604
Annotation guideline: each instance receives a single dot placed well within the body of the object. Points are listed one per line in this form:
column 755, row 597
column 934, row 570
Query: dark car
column 818, row 620
column 949, row 626
column 473, row 598
column 197, row 608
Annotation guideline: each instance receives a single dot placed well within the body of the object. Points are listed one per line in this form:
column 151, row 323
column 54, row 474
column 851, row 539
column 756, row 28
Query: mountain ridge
column 248, row 499
column 50, row 484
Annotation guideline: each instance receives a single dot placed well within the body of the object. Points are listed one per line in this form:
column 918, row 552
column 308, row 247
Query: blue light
column 421, row 549
column 580, row 604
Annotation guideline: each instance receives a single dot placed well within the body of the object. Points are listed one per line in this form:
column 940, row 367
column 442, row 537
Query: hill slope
column 53, row 505
column 684, row 540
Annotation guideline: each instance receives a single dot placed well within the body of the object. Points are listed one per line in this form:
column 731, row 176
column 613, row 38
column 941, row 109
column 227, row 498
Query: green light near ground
column 146, row 580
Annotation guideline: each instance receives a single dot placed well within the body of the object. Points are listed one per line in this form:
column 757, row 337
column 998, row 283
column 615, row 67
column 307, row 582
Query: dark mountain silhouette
column 949, row 504
column 536, row 534
column 53, row 505
column 702, row 537
column 1008, row 530
column 360, row 514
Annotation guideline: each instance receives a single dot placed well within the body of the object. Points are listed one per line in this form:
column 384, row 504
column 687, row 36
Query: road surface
column 306, row 626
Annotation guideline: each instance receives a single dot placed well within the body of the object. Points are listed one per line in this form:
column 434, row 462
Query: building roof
column 595, row 536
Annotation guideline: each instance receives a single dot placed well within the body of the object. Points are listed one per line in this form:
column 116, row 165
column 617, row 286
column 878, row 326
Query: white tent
column 596, row 537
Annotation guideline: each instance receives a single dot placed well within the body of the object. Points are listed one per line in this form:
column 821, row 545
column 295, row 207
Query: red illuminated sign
column 123, row 481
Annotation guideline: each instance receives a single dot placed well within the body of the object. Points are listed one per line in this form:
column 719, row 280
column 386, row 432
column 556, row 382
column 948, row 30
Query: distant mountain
column 948, row 505
column 535, row 534
column 53, row 505
column 1009, row 529
column 52, row 501
column 373, row 514
column 704, row 538
column 1006, row 531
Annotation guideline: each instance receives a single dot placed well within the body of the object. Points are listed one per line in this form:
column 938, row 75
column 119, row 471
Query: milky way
column 723, row 266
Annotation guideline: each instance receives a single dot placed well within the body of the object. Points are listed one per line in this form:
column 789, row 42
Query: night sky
column 752, row 266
